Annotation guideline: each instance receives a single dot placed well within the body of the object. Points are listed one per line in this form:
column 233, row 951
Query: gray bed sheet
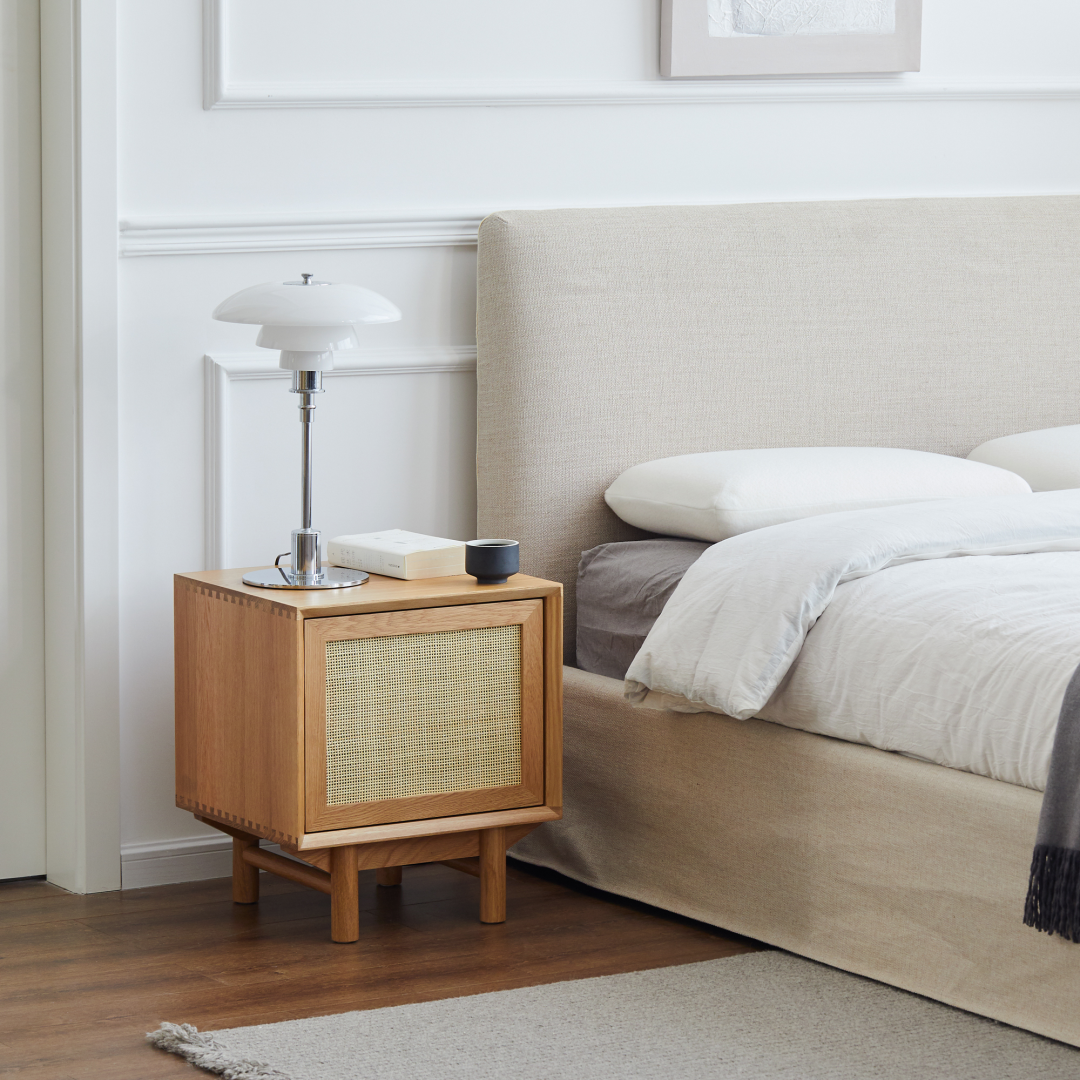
column 621, row 590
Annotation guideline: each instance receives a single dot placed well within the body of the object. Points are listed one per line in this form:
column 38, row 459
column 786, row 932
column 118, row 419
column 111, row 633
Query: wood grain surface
column 553, row 700
column 377, row 594
column 82, row 978
column 492, row 866
column 406, row 830
column 239, row 704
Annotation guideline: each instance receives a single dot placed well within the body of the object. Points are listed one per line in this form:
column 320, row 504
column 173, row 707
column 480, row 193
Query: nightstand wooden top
column 378, row 593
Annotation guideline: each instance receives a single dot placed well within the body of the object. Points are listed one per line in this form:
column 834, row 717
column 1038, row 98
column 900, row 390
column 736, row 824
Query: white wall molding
column 220, row 91
column 191, row 858
column 223, row 369
column 227, row 235
column 215, row 44
column 457, row 93
column 298, row 232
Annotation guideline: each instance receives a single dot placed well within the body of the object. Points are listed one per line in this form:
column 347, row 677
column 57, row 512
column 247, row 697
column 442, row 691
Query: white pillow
column 1048, row 460
column 716, row 495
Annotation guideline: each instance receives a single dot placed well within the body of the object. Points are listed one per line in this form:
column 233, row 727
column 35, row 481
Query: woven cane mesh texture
column 422, row 714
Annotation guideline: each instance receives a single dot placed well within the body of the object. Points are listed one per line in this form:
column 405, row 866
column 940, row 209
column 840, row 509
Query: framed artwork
column 701, row 38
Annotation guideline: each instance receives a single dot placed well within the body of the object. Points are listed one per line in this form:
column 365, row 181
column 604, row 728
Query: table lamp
column 307, row 320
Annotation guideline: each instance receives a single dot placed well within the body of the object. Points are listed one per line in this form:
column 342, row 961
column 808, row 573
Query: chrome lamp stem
column 306, row 570
column 307, row 418
column 306, row 557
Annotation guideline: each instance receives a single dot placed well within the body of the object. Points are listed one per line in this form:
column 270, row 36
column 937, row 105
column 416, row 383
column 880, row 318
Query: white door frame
column 22, row 680
column 79, row 276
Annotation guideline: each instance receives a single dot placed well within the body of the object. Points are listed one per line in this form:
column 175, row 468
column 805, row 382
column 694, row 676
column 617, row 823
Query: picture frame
column 717, row 38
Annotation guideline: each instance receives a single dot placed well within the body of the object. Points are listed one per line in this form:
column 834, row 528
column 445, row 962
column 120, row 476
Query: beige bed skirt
column 903, row 871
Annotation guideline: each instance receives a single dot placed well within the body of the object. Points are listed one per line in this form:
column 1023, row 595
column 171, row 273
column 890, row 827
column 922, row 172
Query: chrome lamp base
column 305, row 570
column 281, row 577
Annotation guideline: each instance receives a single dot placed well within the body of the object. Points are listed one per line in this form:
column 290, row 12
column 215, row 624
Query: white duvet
column 944, row 630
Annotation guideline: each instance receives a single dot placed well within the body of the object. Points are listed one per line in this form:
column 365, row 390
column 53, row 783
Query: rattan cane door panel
column 424, row 713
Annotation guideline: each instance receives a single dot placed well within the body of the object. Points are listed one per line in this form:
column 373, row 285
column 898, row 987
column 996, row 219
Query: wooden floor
column 82, row 978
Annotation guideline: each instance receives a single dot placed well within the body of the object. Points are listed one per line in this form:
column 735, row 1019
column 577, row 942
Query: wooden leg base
column 493, row 876
column 344, row 865
column 344, row 895
column 388, row 876
column 245, row 878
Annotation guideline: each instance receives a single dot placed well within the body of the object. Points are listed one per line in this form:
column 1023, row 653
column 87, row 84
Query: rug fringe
column 202, row 1049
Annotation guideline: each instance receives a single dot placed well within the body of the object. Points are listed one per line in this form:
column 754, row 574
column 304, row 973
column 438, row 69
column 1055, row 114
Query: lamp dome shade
column 322, row 304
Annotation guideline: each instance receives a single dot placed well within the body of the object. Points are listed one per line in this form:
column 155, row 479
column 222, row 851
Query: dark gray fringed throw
column 1053, row 899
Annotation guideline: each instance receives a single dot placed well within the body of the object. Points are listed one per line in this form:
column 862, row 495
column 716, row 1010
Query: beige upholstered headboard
column 610, row 337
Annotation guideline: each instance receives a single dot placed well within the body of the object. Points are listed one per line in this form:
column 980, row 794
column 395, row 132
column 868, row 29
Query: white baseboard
column 166, row 862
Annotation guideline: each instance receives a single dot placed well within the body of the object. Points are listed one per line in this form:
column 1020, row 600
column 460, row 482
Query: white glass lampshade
column 315, row 303
column 306, row 337
column 306, row 318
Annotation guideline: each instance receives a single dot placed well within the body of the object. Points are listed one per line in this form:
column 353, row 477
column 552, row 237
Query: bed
column 612, row 337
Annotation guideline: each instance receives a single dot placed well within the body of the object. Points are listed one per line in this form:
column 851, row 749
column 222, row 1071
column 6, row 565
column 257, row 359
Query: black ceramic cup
column 491, row 562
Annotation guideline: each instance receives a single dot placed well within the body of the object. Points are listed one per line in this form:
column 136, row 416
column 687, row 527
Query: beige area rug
column 766, row 1015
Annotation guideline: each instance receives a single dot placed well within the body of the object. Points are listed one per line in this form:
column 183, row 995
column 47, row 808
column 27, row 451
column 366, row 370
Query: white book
column 398, row 553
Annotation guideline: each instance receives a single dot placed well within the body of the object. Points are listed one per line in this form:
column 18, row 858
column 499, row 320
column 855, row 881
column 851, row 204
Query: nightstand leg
column 493, row 876
column 344, row 895
column 388, row 875
column 245, row 878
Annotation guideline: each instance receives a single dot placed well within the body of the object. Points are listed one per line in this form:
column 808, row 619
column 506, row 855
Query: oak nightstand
column 393, row 723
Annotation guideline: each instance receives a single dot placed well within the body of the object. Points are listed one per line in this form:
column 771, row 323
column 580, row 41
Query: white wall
column 316, row 156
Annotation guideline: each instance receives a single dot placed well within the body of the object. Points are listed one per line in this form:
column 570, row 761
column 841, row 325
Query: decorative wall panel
column 265, row 54
column 371, row 471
